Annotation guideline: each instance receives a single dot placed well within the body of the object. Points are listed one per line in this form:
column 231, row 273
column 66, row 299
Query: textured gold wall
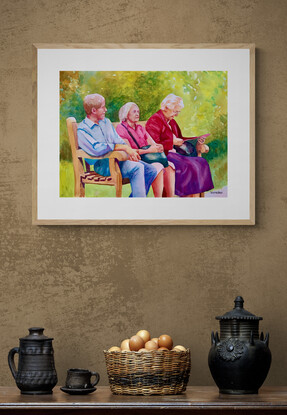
column 90, row 287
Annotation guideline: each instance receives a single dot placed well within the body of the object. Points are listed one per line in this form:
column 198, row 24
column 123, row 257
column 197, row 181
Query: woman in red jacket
column 192, row 174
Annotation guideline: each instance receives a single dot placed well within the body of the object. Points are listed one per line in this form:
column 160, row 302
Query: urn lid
column 36, row 334
column 238, row 313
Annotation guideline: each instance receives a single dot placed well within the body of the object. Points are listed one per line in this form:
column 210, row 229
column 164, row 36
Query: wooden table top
column 196, row 399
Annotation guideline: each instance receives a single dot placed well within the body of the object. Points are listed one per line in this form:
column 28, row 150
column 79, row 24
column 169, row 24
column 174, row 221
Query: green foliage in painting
column 204, row 95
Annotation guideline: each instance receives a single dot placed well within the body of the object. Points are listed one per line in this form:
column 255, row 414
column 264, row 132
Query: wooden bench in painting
column 84, row 175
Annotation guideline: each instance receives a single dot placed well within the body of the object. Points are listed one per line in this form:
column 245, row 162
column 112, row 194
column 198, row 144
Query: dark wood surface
column 196, row 400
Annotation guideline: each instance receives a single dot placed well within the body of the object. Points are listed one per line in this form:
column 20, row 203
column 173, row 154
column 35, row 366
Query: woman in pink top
column 136, row 136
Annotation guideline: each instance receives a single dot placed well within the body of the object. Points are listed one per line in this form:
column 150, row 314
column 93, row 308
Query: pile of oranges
column 142, row 342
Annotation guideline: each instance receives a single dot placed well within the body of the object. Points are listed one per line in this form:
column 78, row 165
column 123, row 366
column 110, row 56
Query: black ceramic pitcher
column 36, row 374
column 239, row 360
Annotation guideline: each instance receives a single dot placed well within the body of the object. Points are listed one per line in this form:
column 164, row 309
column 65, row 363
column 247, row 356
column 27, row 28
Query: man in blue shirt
column 97, row 136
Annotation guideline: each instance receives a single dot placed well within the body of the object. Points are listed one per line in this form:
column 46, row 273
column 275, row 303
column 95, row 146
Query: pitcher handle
column 11, row 361
column 97, row 376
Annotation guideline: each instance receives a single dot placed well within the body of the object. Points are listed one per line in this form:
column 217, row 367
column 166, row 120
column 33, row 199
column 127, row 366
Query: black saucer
column 77, row 391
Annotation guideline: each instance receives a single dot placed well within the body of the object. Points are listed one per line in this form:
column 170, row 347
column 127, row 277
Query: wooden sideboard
column 197, row 400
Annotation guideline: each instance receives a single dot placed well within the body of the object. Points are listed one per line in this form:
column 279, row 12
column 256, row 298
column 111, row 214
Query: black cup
column 81, row 379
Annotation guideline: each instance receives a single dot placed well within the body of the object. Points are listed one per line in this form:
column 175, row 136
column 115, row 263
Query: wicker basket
column 148, row 373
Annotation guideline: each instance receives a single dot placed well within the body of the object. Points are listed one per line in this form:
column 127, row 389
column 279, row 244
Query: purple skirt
column 192, row 174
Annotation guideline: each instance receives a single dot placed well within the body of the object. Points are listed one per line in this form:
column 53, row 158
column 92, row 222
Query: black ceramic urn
column 239, row 361
column 36, row 374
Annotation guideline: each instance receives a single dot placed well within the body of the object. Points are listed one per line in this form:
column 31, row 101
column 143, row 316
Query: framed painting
column 142, row 134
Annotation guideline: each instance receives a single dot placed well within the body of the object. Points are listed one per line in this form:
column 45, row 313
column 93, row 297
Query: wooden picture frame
column 237, row 207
